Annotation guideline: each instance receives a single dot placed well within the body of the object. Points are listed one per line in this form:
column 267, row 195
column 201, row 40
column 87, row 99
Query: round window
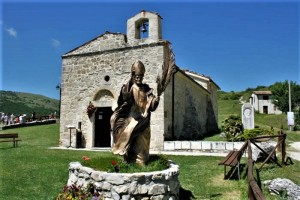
column 106, row 78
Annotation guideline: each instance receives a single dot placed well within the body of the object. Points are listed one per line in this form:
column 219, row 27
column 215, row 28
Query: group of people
column 52, row 115
column 8, row 119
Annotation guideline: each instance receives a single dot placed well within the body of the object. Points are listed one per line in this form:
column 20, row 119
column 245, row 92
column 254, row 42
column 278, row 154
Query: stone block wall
column 190, row 114
column 202, row 146
column 159, row 185
column 154, row 25
column 95, row 72
column 107, row 41
column 194, row 109
column 168, row 111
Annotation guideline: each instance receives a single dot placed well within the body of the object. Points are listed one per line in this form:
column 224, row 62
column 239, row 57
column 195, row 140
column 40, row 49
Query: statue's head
column 138, row 71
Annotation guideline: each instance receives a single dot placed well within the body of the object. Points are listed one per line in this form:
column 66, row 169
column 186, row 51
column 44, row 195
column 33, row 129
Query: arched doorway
column 102, row 127
column 103, row 101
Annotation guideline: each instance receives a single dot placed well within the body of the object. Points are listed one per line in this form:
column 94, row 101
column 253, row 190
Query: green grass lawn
column 227, row 108
column 268, row 121
column 33, row 171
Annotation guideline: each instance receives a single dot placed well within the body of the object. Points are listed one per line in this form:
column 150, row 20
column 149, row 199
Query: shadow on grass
column 233, row 174
column 212, row 196
column 188, row 195
column 289, row 161
column 185, row 194
column 8, row 147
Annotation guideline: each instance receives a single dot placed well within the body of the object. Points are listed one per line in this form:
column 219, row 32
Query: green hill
column 26, row 103
column 229, row 104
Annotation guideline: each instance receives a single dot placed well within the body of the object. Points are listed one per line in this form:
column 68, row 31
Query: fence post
column 250, row 169
column 283, row 149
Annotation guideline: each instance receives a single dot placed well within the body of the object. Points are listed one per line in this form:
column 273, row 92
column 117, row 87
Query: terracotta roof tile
column 262, row 92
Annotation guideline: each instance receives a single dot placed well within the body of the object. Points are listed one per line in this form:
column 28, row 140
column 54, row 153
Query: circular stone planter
column 157, row 185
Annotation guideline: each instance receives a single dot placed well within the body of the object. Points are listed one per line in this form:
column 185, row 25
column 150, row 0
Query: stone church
column 95, row 72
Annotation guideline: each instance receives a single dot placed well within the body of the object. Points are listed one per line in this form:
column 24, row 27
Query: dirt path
column 293, row 150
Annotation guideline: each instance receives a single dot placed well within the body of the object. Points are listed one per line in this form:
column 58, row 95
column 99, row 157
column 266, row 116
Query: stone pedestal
column 159, row 185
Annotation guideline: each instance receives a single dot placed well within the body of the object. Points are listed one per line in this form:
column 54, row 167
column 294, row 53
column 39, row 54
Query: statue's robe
column 130, row 122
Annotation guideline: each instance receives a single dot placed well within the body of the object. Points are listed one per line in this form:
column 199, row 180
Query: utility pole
column 290, row 99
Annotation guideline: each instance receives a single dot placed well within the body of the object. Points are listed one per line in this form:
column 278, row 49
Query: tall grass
column 227, row 108
column 32, row 171
column 268, row 121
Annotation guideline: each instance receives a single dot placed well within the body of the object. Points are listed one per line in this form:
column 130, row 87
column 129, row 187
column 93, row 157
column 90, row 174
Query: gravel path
column 294, row 150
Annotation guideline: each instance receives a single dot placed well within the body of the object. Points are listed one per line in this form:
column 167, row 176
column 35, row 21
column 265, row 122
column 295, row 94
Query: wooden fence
column 255, row 192
column 233, row 160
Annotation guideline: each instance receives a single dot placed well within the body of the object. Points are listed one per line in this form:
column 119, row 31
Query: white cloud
column 12, row 32
column 55, row 42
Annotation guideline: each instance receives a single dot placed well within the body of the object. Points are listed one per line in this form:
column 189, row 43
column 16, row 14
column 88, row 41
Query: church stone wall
column 195, row 111
column 190, row 109
column 85, row 74
column 101, row 43
column 168, row 110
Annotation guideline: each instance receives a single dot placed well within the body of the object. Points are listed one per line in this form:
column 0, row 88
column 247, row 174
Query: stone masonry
column 159, row 185
column 95, row 72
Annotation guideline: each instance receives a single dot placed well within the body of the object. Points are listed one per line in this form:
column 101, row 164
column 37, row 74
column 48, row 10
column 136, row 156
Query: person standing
column 6, row 119
column 33, row 116
column 12, row 119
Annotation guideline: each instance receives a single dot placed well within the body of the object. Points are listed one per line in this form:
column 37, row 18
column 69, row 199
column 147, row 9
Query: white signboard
column 290, row 118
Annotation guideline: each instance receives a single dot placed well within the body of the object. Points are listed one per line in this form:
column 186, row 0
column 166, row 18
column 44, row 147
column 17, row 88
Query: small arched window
column 143, row 29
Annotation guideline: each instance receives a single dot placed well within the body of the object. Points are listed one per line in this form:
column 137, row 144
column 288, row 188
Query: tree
column 280, row 95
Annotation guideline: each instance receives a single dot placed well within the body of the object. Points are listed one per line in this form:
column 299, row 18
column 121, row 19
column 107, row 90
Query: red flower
column 85, row 158
column 114, row 162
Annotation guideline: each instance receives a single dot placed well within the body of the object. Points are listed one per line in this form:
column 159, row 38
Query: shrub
column 251, row 133
column 232, row 127
column 297, row 120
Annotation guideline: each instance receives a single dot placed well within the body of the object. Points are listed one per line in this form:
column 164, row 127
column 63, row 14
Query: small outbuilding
column 262, row 102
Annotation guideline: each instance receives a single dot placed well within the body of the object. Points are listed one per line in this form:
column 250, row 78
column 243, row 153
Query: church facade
column 93, row 74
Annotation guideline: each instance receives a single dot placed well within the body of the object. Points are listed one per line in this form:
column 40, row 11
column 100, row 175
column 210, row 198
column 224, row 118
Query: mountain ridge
column 27, row 103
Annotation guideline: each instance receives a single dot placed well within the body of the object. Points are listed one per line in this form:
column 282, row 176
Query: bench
column 233, row 160
column 10, row 137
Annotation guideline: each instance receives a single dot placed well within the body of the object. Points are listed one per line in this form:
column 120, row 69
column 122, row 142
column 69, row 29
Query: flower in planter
column 85, row 158
column 74, row 192
column 115, row 166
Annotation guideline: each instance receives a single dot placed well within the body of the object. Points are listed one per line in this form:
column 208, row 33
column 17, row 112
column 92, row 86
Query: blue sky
column 239, row 44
